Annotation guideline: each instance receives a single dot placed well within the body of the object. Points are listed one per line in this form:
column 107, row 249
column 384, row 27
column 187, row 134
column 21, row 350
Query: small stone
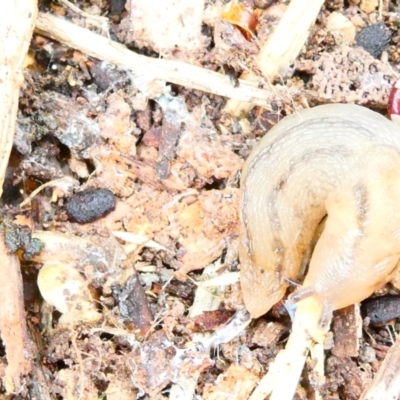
column 90, row 205
column 17, row 237
column 337, row 23
column 367, row 354
column 374, row 39
column 381, row 310
column 263, row 3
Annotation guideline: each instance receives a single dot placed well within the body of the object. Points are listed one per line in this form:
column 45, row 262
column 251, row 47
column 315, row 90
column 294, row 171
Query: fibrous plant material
column 283, row 47
column 17, row 20
column 169, row 70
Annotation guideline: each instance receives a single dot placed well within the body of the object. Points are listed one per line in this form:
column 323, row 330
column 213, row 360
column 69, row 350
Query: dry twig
column 283, row 46
column 168, row 70
column 284, row 373
column 17, row 20
column 13, row 328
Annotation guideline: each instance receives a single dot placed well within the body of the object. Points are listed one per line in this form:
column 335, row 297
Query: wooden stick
column 283, row 47
column 386, row 384
column 13, row 328
column 173, row 71
column 17, row 20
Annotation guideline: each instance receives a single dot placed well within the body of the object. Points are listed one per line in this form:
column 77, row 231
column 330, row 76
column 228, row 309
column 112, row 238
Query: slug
column 338, row 160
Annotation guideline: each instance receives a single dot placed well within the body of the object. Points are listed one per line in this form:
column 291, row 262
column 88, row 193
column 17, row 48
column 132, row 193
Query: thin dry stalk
column 283, row 47
column 172, row 71
column 284, row 373
column 17, row 20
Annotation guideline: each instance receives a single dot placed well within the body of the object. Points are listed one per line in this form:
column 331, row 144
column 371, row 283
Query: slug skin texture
column 338, row 160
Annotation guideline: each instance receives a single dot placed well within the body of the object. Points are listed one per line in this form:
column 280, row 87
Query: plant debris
column 121, row 193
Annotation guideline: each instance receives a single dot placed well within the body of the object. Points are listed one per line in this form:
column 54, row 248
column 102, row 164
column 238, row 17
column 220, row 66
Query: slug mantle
column 338, row 160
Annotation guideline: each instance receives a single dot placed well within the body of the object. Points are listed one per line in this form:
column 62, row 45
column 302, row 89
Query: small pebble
column 90, row 205
column 374, row 39
column 337, row 23
column 263, row 3
column 381, row 310
column 367, row 354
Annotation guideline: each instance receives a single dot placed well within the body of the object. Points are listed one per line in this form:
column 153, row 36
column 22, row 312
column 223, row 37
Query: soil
column 168, row 159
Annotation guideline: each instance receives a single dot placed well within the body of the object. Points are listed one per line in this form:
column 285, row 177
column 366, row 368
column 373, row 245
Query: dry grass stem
column 283, row 47
column 172, row 71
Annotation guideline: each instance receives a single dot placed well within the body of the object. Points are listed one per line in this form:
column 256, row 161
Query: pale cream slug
column 341, row 160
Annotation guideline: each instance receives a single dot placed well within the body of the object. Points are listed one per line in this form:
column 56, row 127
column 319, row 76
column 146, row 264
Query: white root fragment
column 205, row 300
column 172, row 71
column 283, row 47
column 139, row 240
column 227, row 278
column 284, row 373
column 102, row 21
column 65, row 185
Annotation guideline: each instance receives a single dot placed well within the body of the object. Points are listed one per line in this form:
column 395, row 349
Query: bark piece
column 17, row 21
column 386, row 384
column 349, row 75
column 13, row 329
column 345, row 326
column 133, row 304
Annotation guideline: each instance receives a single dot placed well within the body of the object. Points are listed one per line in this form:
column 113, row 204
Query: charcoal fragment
column 381, row 310
column 90, row 205
column 374, row 39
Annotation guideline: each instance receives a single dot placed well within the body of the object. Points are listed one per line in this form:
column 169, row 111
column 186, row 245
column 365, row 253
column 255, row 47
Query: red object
column 394, row 100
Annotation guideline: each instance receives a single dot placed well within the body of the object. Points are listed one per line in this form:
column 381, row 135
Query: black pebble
column 90, row 205
column 381, row 310
column 374, row 39
column 263, row 4
column 117, row 6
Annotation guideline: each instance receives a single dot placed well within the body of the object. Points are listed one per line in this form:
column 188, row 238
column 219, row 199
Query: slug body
column 338, row 160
